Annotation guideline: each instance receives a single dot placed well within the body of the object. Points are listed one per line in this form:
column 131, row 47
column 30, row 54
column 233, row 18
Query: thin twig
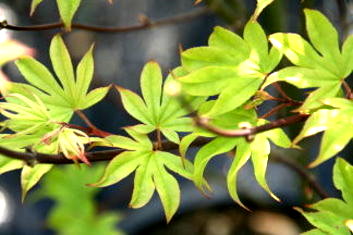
column 275, row 110
column 159, row 140
column 281, row 91
column 85, row 118
column 349, row 94
column 300, row 170
column 94, row 156
column 145, row 24
column 107, row 155
column 203, row 122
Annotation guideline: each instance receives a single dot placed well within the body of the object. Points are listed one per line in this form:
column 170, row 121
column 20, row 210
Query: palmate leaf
column 158, row 111
column 258, row 149
column 150, row 171
column 320, row 64
column 336, row 124
column 26, row 116
column 332, row 216
column 67, row 10
column 70, row 94
column 71, row 142
column 34, row 112
column 230, row 67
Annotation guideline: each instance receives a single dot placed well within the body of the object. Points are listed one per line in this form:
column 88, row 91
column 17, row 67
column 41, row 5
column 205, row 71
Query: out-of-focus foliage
column 75, row 210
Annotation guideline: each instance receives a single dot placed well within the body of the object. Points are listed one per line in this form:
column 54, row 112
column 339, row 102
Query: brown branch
column 145, row 24
column 300, row 170
column 106, row 155
column 275, row 110
column 203, row 122
column 94, row 156
column 348, row 90
column 278, row 87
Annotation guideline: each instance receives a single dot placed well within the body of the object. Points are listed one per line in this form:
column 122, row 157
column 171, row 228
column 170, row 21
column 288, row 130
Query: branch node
column 249, row 138
column 31, row 157
column 3, row 24
column 144, row 20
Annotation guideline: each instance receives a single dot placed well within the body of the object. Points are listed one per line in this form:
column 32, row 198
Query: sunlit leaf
column 343, row 175
column 144, row 186
column 8, row 164
column 156, row 110
column 150, row 172
column 69, row 93
column 337, row 126
column 260, row 150
column 34, row 5
column 333, row 141
column 316, row 98
column 260, row 6
column 120, row 167
column 168, row 190
column 230, row 67
column 151, row 87
column 67, row 10
column 206, row 153
column 332, row 215
column 322, row 34
column 242, row 155
column 325, row 70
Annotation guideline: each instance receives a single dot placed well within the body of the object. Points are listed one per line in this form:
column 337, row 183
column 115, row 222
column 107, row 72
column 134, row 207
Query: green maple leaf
column 68, row 95
column 258, row 149
column 260, row 6
column 336, row 124
column 157, row 111
column 26, row 115
column 320, row 64
column 34, row 111
column 150, row 168
column 67, row 10
column 334, row 216
column 231, row 67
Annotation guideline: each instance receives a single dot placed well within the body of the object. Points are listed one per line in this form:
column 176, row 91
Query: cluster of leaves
column 223, row 83
column 38, row 113
column 332, row 215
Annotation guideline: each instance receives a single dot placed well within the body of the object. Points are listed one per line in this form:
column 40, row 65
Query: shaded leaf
column 34, row 5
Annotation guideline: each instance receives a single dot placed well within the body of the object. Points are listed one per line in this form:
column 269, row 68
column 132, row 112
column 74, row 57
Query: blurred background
column 119, row 58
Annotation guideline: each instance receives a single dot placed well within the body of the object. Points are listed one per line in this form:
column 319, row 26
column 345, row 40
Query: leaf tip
column 197, row 2
column 119, row 88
